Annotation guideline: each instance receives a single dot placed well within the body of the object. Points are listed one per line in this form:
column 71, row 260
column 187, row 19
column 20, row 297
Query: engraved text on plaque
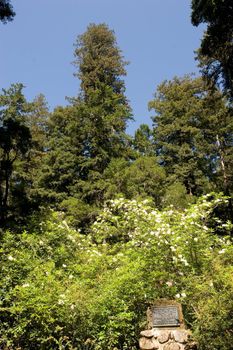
column 165, row 316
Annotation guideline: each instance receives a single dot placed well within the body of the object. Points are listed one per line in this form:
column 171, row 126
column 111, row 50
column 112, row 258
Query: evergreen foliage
column 216, row 50
column 189, row 122
column 102, row 106
column 6, row 11
column 15, row 143
column 86, row 136
column 143, row 141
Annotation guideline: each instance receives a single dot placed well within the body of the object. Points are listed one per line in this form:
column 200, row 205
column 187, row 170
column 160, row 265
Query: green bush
column 64, row 290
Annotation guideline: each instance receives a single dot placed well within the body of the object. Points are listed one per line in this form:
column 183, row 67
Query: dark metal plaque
column 165, row 316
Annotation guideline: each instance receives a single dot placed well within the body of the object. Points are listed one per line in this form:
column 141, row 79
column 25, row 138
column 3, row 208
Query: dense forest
column 96, row 224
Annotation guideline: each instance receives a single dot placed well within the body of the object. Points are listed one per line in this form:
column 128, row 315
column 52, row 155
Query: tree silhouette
column 6, row 11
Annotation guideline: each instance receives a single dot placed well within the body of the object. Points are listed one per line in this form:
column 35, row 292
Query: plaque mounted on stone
column 165, row 316
column 166, row 329
column 165, row 313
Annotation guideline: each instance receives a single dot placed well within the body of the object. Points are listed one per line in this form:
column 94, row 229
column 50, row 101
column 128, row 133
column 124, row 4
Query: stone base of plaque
column 166, row 339
column 166, row 328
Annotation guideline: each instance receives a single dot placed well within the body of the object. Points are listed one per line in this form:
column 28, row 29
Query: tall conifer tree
column 188, row 123
column 15, row 143
column 87, row 135
column 102, row 104
column 216, row 51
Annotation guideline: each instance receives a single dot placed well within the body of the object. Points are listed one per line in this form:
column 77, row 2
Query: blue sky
column 156, row 36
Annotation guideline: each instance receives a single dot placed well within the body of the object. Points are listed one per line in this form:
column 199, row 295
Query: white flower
column 97, row 253
column 71, row 238
column 177, row 296
column 195, row 239
column 183, row 294
column 169, row 283
column 185, row 262
column 66, row 225
column 61, row 302
column 158, row 220
column 25, row 285
column 222, row 251
column 64, row 265
column 11, row 258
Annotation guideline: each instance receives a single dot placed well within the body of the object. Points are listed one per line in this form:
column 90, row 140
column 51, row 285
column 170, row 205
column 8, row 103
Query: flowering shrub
column 63, row 290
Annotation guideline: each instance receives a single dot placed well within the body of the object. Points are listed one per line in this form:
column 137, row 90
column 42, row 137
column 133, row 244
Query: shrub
column 64, row 290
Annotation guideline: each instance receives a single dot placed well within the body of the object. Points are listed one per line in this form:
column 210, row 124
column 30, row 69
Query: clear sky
column 156, row 36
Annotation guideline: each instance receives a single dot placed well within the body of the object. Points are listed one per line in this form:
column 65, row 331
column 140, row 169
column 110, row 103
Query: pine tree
column 216, row 51
column 37, row 122
column 87, row 135
column 15, row 143
column 102, row 105
column 6, row 11
column 188, row 122
column 143, row 141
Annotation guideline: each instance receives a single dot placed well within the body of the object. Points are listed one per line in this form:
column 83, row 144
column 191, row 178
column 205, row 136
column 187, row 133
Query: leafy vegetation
column 62, row 288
